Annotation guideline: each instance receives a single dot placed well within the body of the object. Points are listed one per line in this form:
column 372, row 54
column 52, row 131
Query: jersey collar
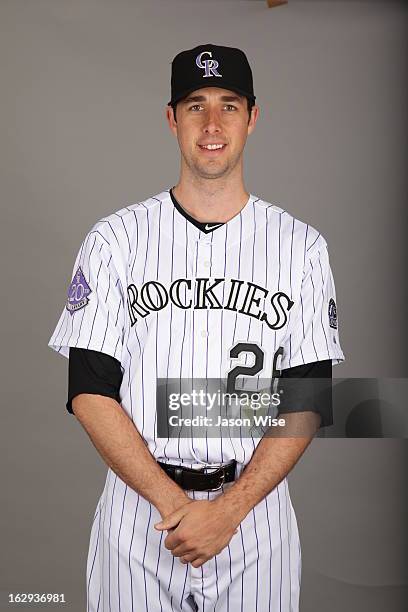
column 206, row 227
column 237, row 229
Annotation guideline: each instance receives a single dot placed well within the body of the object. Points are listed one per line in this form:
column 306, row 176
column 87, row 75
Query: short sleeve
column 93, row 315
column 313, row 328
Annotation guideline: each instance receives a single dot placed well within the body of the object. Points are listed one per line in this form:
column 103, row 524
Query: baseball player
column 203, row 280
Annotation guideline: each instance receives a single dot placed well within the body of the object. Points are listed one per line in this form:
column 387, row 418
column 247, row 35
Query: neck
column 211, row 199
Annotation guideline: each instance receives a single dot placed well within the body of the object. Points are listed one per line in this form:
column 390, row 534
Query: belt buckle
column 222, row 468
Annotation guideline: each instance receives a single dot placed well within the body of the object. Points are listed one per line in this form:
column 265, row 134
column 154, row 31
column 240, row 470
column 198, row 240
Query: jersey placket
column 199, row 332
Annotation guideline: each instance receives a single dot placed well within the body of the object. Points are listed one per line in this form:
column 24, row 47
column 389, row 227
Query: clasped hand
column 198, row 530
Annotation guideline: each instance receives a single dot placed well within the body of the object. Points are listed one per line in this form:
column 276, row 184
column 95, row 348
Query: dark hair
column 250, row 104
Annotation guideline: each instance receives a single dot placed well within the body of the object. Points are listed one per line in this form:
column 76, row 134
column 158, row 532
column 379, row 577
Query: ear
column 170, row 119
column 255, row 110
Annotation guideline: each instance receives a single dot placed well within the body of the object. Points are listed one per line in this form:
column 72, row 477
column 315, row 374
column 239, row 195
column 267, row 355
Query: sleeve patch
column 332, row 314
column 78, row 292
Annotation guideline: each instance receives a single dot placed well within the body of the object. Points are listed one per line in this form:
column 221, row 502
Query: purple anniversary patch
column 78, row 292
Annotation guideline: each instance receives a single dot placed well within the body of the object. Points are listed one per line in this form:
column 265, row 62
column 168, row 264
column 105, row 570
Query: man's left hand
column 198, row 531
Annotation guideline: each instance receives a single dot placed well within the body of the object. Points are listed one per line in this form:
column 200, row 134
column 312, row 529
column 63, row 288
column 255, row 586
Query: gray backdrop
column 83, row 89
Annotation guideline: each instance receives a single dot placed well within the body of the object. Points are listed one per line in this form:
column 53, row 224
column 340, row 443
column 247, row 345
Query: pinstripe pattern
column 128, row 567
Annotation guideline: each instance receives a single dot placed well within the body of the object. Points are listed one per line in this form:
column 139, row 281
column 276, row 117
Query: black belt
column 200, row 479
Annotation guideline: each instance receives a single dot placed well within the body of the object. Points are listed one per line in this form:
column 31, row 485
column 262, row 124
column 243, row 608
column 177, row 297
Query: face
column 212, row 127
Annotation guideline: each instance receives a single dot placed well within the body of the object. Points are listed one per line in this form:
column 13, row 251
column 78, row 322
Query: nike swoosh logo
column 211, row 227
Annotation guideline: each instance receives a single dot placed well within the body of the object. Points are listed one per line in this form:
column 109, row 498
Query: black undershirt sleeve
column 312, row 391
column 92, row 372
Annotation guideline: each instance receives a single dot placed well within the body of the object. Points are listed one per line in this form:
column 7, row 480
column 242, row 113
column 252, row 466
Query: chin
column 212, row 170
column 204, row 173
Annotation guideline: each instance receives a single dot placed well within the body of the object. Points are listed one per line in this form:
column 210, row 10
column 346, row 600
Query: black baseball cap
column 211, row 66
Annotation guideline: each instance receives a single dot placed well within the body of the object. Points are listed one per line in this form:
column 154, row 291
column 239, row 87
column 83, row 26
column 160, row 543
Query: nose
column 212, row 122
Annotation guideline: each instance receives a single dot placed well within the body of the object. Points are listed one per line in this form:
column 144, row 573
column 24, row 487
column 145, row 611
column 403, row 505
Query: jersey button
column 207, row 264
column 204, row 333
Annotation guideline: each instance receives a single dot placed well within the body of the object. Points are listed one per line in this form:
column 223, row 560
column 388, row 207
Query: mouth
column 213, row 149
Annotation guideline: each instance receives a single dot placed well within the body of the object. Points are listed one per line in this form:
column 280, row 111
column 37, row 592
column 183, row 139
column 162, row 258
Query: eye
column 231, row 106
column 195, row 106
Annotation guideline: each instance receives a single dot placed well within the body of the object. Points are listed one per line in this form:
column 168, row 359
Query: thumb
column 172, row 520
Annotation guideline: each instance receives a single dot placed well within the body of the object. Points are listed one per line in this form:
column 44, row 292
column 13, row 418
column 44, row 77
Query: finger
column 198, row 562
column 181, row 550
column 170, row 521
column 172, row 540
column 173, row 519
column 170, row 529
column 187, row 558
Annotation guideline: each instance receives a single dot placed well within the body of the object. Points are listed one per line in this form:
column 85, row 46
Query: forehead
column 213, row 92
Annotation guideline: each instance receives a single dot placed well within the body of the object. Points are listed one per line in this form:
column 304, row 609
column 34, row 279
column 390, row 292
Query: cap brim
column 223, row 86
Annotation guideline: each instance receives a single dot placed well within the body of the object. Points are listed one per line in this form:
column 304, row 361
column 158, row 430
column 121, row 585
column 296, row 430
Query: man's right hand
column 171, row 505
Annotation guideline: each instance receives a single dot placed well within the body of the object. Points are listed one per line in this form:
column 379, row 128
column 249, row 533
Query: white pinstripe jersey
column 168, row 300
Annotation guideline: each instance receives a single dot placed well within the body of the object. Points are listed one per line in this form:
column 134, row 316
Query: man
column 201, row 281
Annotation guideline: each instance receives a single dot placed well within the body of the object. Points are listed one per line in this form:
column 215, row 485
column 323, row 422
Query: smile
column 213, row 147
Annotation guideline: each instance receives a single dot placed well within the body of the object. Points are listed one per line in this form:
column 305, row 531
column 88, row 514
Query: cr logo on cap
column 209, row 65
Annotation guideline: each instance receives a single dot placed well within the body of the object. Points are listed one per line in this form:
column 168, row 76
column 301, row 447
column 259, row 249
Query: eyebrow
column 203, row 99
